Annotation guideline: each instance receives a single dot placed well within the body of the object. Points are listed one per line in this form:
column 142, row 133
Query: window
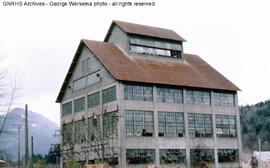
column 200, row 125
column 223, row 99
column 79, row 104
column 140, row 156
column 110, row 121
column 198, row 156
column 94, row 131
column 93, row 100
column 134, row 92
column 79, row 84
column 169, row 95
column 227, row 155
column 172, row 156
column 198, row 97
column 79, row 131
column 171, row 124
column 85, row 65
column 176, row 54
column 93, row 78
column 226, row 125
column 139, row 123
column 159, row 47
column 67, row 133
column 109, row 95
column 67, row 108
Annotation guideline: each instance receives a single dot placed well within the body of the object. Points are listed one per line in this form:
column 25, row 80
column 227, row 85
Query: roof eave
column 68, row 75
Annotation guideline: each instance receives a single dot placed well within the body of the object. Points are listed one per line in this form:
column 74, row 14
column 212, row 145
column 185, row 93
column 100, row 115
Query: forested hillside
column 255, row 123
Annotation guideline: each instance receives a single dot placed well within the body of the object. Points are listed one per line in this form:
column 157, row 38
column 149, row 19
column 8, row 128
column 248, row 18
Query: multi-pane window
column 140, row 156
column 169, row 95
column 227, row 155
column 109, row 95
column 223, row 99
column 135, row 92
column 200, row 125
column 79, row 104
column 139, row 123
column 67, row 108
column 94, row 129
column 93, row 100
column 67, row 133
column 199, row 156
column 79, row 131
column 110, row 121
column 198, row 97
column 172, row 156
column 171, row 124
column 154, row 47
column 226, row 125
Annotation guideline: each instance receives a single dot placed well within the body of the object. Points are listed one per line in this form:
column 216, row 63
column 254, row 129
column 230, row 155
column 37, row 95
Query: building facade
column 137, row 99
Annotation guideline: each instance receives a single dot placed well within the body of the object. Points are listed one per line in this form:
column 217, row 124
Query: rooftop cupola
column 145, row 40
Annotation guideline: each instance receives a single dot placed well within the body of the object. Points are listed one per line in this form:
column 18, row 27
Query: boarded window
column 79, row 84
column 93, row 78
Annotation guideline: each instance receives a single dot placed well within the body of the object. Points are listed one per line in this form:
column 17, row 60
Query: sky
column 38, row 43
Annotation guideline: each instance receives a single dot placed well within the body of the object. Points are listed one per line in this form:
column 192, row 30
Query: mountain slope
column 255, row 124
column 40, row 128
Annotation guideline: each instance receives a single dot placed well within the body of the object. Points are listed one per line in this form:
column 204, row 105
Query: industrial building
column 138, row 99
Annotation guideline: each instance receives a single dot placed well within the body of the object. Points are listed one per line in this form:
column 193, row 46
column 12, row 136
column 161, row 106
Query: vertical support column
column 187, row 140
column 19, row 145
column 85, row 150
column 238, row 128
column 121, row 126
column 61, row 133
column 155, row 115
column 215, row 145
column 26, row 138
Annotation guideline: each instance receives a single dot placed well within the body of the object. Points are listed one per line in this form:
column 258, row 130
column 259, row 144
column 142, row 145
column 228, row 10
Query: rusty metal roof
column 144, row 30
column 193, row 72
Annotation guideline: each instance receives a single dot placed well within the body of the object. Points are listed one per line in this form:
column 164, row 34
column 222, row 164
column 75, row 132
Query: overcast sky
column 231, row 35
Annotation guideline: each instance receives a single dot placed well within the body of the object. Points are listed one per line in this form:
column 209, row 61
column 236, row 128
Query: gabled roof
column 144, row 30
column 193, row 72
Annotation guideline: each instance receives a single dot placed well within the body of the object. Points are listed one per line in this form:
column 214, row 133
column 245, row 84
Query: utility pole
column 32, row 151
column 259, row 144
column 26, row 138
column 19, row 145
column 32, row 147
